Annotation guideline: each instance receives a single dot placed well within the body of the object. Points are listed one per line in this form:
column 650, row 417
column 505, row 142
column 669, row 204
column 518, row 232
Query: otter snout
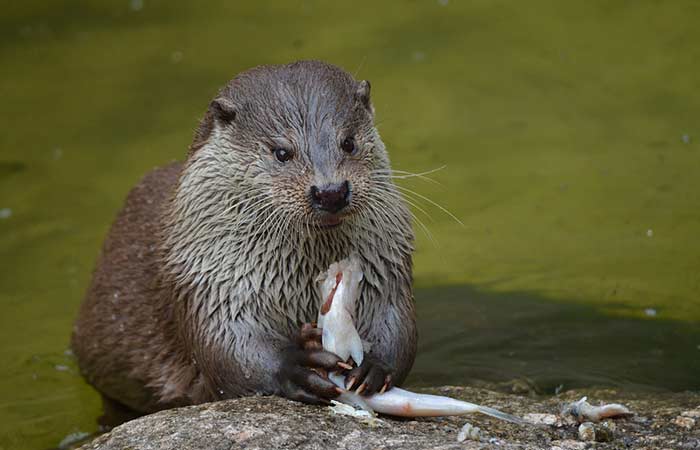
column 331, row 197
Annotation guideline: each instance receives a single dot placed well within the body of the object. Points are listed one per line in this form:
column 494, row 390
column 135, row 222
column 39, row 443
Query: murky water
column 570, row 134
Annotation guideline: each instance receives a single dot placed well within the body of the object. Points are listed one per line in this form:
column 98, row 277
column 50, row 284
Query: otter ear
column 362, row 95
column 223, row 110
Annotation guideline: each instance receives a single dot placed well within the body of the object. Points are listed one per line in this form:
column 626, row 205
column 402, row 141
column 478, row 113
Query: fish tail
column 500, row 415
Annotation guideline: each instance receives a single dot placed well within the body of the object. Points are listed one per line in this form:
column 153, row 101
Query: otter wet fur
column 208, row 272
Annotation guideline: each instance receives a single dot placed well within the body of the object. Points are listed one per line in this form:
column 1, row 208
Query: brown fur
column 199, row 289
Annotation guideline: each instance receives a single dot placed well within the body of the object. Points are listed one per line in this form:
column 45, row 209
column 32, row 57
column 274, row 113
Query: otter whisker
column 267, row 211
column 275, row 228
column 300, row 226
column 437, row 205
column 408, row 200
column 242, row 204
column 420, row 223
column 271, row 230
column 291, row 225
column 278, row 234
column 405, row 174
column 248, row 207
column 252, row 222
column 410, row 196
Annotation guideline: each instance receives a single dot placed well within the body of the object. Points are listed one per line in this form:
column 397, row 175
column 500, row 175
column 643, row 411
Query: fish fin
column 500, row 415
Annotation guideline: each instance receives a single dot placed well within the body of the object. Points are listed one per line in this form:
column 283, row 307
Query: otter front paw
column 302, row 375
column 370, row 377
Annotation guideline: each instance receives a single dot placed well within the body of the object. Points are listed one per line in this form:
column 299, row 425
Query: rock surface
column 275, row 423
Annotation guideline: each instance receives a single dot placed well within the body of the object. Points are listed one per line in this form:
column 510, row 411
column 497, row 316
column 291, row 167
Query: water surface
column 569, row 130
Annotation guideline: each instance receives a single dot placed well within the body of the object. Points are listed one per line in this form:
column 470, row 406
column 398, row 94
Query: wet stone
column 275, row 423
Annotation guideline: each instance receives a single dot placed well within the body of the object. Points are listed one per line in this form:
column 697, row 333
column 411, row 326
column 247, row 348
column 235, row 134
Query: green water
column 570, row 132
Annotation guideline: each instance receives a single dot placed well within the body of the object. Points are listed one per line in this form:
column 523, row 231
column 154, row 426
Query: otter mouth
column 330, row 220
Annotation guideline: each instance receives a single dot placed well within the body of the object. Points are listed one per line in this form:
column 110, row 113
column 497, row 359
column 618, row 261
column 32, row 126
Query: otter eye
column 348, row 145
column 282, row 154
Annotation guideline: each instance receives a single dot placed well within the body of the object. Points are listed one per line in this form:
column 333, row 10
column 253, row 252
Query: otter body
column 208, row 272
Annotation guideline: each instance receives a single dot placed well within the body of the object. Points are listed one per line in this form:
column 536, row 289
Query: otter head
column 287, row 161
column 299, row 138
column 286, row 174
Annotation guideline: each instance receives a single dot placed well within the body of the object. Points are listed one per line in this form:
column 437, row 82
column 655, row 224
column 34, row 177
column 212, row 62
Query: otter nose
column 332, row 197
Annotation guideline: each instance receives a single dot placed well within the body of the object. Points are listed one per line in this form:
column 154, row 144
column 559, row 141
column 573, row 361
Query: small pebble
column 5, row 213
column 650, row 233
column 685, row 138
column 586, row 431
column 684, row 422
column 470, row 432
column 695, row 413
column 609, row 424
column 603, row 433
column 650, row 312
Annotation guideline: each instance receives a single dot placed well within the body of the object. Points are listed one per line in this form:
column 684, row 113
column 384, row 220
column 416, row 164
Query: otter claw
column 345, row 366
column 387, row 384
column 372, row 373
column 303, row 375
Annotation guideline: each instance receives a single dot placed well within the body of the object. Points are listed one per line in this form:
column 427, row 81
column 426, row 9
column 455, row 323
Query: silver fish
column 339, row 288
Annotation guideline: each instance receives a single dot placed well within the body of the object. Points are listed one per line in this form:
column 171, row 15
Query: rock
column 568, row 444
column 275, row 423
column 586, row 431
column 684, row 422
column 469, row 431
column 589, row 431
column 604, row 433
column 610, row 425
column 694, row 413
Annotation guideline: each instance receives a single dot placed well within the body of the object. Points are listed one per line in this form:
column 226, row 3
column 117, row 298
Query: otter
column 206, row 278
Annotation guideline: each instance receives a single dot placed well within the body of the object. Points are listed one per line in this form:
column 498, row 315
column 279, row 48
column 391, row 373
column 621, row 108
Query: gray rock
column 275, row 423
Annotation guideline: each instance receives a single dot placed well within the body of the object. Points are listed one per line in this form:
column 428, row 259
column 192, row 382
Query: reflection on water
column 467, row 335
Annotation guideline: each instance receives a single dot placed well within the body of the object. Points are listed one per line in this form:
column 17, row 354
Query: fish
column 339, row 288
column 583, row 411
